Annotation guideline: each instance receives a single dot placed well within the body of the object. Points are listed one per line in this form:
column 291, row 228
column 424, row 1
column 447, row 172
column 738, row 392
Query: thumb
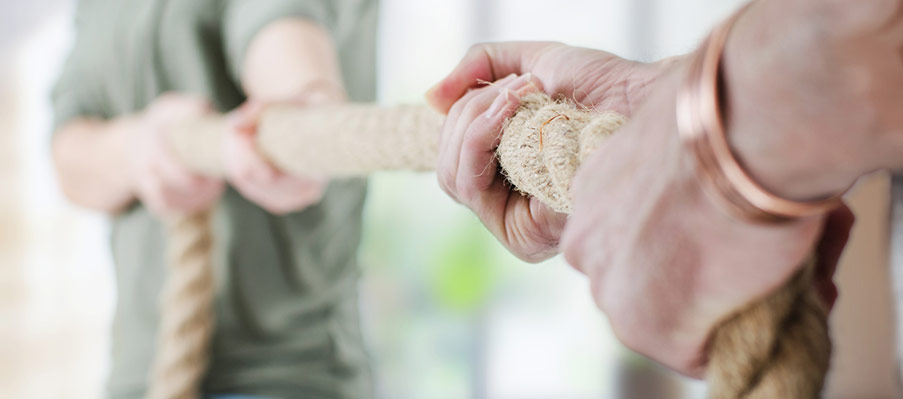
column 485, row 62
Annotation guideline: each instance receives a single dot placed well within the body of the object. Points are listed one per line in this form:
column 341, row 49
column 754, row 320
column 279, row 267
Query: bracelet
column 701, row 128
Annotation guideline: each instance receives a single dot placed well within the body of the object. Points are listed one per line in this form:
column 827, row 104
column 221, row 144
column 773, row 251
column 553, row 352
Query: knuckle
column 457, row 110
column 569, row 250
column 573, row 243
column 627, row 334
column 465, row 118
column 448, row 128
column 480, row 48
column 448, row 192
column 477, row 141
column 466, row 190
column 245, row 174
column 446, row 179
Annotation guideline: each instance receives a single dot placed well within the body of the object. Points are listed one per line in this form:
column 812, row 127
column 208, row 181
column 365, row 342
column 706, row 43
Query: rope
column 778, row 347
column 186, row 323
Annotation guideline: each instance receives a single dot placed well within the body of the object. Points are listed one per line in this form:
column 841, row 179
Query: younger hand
column 258, row 180
column 161, row 182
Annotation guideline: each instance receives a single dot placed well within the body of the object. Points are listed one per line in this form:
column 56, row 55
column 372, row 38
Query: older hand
column 665, row 262
column 810, row 111
column 467, row 167
column 814, row 93
column 160, row 180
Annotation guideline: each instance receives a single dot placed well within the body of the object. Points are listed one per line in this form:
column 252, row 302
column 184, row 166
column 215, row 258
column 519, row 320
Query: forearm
column 292, row 60
column 805, row 92
column 91, row 162
column 667, row 262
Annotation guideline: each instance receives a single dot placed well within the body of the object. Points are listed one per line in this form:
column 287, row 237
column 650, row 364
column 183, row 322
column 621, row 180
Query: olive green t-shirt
column 286, row 308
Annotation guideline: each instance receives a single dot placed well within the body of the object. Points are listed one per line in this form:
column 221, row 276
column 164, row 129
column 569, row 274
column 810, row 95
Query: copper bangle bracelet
column 701, row 127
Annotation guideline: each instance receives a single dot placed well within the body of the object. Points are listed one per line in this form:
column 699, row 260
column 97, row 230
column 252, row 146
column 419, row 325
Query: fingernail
column 526, row 84
column 507, row 79
column 498, row 104
column 521, row 81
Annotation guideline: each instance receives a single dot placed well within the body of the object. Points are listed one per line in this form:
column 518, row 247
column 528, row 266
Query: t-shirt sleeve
column 68, row 96
column 73, row 95
column 243, row 19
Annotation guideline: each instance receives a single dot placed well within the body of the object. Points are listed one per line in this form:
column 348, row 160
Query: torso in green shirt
column 286, row 301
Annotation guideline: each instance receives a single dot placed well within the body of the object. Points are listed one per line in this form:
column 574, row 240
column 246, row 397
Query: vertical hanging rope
column 775, row 348
column 186, row 322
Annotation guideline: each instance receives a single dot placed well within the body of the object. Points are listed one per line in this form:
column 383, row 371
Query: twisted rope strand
column 186, row 323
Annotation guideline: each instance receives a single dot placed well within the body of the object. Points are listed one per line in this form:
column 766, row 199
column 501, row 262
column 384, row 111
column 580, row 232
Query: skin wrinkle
column 493, row 160
column 508, row 233
column 585, row 94
column 468, row 144
column 648, row 210
column 610, row 78
column 487, row 52
column 895, row 17
column 548, row 242
column 516, row 235
column 721, row 277
column 459, row 137
column 640, row 86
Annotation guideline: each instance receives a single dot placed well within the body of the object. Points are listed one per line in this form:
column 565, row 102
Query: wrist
column 772, row 112
column 122, row 133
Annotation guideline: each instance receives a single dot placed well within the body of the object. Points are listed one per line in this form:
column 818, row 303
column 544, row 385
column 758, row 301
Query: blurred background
column 448, row 312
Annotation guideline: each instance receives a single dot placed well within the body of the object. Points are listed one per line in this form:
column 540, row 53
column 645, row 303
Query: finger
column 286, row 195
column 455, row 113
column 151, row 198
column 486, row 62
column 253, row 165
column 477, row 167
column 548, row 226
column 246, row 117
column 526, row 226
column 205, row 195
column 172, row 175
column 178, row 188
column 201, row 197
column 449, row 127
column 469, row 108
column 574, row 241
column 181, row 105
column 447, row 164
column 274, row 199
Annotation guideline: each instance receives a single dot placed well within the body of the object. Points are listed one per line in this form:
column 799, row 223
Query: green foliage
column 464, row 273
